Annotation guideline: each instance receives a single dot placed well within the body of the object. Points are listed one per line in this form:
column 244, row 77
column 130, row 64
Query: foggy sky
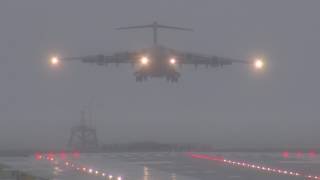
column 228, row 107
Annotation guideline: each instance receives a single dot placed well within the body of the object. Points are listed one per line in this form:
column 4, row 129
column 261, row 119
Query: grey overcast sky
column 229, row 107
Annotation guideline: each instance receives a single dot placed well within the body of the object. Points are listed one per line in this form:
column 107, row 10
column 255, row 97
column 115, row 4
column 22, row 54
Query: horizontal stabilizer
column 154, row 26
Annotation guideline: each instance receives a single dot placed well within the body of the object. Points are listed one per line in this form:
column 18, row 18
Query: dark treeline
column 154, row 147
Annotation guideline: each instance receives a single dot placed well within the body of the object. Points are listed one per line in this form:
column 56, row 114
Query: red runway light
column 63, row 155
column 285, row 154
column 201, row 156
column 76, row 154
column 38, row 156
column 312, row 154
column 50, row 155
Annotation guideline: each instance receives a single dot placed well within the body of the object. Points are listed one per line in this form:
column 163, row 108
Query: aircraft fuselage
column 159, row 62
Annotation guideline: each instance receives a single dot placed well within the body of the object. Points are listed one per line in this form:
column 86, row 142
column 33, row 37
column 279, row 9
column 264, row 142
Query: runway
column 166, row 165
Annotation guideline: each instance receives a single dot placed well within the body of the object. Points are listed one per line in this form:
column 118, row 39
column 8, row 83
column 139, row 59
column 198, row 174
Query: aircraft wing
column 212, row 61
column 100, row 59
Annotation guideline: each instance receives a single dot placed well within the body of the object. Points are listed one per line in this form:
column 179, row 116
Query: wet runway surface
column 168, row 165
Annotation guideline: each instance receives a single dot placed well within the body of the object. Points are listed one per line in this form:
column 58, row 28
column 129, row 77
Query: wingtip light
column 54, row 61
column 259, row 63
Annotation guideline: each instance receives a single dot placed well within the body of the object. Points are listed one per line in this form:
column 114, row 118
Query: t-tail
column 155, row 26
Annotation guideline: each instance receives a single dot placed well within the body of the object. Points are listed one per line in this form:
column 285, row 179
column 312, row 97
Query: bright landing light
column 258, row 64
column 173, row 61
column 144, row 60
column 55, row 61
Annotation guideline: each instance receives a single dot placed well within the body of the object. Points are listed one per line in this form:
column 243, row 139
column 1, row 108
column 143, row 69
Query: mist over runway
column 166, row 165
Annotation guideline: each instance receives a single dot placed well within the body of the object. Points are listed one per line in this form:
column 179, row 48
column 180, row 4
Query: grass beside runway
column 6, row 173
